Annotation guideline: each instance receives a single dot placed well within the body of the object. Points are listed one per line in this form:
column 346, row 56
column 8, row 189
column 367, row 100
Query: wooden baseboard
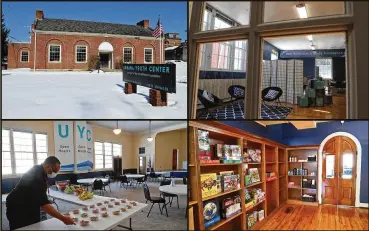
column 298, row 202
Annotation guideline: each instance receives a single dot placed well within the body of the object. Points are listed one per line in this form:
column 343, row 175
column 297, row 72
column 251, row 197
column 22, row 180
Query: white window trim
column 112, row 156
column 34, row 150
column 75, row 53
column 152, row 55
column 131, row 53
column 60, row 57
column 21, row 56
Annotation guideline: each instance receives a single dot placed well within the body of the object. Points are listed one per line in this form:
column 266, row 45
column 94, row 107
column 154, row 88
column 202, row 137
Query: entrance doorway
column 142, row 165
column 339, row 171
column 105, row 60
column 175, row 159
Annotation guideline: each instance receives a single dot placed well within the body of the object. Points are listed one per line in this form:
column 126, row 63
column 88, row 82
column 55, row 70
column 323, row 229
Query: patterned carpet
column 176, row 221
column 236, row 111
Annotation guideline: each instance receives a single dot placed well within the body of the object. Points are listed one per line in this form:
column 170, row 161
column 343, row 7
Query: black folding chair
column 154, row 200
column 169, row 195
column 124, row 180
column 207, row 102
column 237, row 92
column 98, row 186
column 141, row 180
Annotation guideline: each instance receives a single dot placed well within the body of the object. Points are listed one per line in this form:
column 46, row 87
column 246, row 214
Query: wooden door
column 329, row 174
column 347, row 172
column 339, row 171
column 175, row 159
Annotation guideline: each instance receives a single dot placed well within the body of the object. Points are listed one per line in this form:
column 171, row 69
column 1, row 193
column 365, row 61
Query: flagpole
column 160, row 38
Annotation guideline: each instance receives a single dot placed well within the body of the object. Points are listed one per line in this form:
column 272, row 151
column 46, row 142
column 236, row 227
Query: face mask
column 52, row 174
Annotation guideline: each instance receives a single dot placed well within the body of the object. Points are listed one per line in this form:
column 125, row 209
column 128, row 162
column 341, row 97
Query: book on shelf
column 254, row 175
column 208, row 184
column 211, row 212
column 224, row 173
column 203, row 140
column 252, row 155
column 231, row 206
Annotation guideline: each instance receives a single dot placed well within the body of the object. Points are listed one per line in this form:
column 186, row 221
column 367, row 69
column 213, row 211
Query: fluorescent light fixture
column 310, row 37
column 117, row 131
column 301, row 9
column 150, row 139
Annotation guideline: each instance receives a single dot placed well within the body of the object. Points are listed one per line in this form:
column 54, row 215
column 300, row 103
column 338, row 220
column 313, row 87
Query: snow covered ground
column 83, row 95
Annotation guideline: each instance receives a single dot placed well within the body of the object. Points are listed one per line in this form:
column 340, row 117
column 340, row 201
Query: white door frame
column 358, row 164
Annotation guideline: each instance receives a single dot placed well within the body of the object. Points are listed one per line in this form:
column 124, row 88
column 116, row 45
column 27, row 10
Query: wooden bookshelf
column 295, row 193
column 274, row 158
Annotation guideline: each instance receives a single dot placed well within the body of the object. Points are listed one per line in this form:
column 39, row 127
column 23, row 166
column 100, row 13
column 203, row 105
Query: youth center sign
column 160, row 77
column 312, row 54
column 64, row 145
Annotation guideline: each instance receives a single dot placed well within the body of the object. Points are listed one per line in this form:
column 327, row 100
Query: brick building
column 68, row 44
column 172, row 39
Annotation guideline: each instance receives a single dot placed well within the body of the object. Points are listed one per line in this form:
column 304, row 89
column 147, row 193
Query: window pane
column 148, row 56
column 24, row 56
column 347, row 162
column 99, row 157
column 292, row 10
column 6, row 163
column 109, row 166
column 225, row 14
column 81, row 53
column 127, row 55
column 54, row 53
column 329, row 167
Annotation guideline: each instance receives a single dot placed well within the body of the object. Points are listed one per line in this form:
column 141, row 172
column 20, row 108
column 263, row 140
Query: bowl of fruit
column 93, row 218
column 95, row 211
column 85, row 195
column 61, row 185
column 84, row 223
column 117, row 212
column 84, row 215
column 104, row 214
column 78, row 191
column 76, row 211
column 69, row 189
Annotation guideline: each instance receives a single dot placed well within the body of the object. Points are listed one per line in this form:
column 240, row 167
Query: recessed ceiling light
column 301, row 9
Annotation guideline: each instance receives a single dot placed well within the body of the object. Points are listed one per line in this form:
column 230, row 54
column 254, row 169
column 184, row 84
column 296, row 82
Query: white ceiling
column 278, row 10
column 238, row 11
column 321, row 41
column 286, row 10
column 136, row 126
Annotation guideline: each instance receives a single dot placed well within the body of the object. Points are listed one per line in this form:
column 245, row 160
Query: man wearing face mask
column 29, row 195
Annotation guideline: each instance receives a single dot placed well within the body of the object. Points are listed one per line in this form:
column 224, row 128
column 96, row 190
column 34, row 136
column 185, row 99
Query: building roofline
column 94, row 34
column 19, row 42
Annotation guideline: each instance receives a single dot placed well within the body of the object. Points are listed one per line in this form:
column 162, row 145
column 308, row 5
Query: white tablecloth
column 74, row 199
column 134, row 175
column 91, row 180
column 178, row 189
column 102, row 223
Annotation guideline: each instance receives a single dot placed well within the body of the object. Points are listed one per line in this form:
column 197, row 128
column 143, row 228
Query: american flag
column 158, row 30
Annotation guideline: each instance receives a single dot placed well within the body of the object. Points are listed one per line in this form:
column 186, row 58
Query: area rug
column 236, row 111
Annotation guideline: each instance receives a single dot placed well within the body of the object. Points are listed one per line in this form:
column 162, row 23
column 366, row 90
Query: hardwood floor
column 336, row 111
column 323, row 217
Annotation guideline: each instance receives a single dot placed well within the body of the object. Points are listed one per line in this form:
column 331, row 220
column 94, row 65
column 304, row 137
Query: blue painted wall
column 267, row 52
column 287, row 134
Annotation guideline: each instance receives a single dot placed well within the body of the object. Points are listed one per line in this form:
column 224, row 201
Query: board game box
column 208, row 184
column 252, row 155
column 231, row 206
column 253, row 172
column 251, row 219
column 211, row 212
column 230, row 182
column 203, row 139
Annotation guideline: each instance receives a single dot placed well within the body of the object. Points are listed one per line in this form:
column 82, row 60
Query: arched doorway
column 340, row 170
column 106, row 55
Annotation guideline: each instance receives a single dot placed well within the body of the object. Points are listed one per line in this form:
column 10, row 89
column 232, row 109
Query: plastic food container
column 67, row 214
column 76, row 211
column 134, row 203
column 85, row 208
column 95, row 211
column 104, row 214
column 75, row 219
column 103, row 208
column 123, row 209
column 84, row 223
column 110, row 205
column 92, row 206
column 116, row 212
column 112, row 199
column 106, row 202
column 93, row 218
column 123, row 201
column 84, row 215
column 117, row 203
column 99, row 204
column 129, row 206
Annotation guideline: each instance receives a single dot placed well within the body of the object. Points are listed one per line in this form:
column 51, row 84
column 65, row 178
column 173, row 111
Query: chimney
column 144, row 23
column 39, row 14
